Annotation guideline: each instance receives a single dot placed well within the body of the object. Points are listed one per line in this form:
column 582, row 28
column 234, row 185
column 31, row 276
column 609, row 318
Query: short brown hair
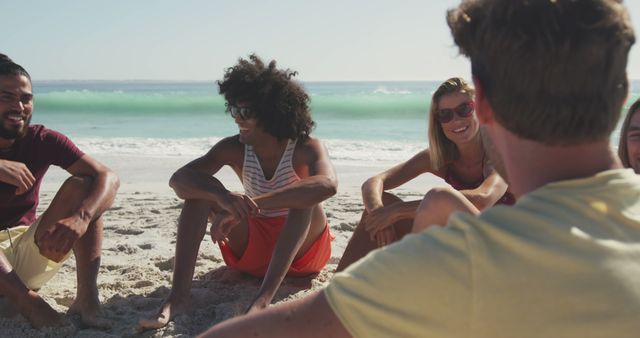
column 443, row 151
column 622, row 147
column 554, row 71
column 280, row 104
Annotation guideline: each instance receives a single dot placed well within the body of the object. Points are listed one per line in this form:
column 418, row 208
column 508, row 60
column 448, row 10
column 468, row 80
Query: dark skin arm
column 195, row 180
column 319, row 181
column 57, row 239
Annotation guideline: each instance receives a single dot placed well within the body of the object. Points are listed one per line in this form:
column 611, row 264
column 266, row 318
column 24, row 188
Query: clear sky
column 197, row 39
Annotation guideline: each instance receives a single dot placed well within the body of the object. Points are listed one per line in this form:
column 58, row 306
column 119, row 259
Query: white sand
column 140, row 233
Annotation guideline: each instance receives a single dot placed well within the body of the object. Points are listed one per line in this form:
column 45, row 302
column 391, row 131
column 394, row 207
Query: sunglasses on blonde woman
column 463, row 110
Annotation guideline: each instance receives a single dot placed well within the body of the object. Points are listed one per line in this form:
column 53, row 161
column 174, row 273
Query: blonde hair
column 443, row 151
column 622, row 147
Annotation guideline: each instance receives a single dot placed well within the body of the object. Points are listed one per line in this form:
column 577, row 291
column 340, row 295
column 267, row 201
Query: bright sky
column 197, row 39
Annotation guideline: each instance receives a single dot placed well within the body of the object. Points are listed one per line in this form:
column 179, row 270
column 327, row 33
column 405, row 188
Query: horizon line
column 208, row 81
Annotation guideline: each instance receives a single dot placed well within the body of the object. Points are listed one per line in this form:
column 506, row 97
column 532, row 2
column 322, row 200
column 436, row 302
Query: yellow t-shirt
column 563, row 262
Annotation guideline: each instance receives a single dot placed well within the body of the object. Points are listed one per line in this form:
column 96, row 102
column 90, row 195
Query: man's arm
column 195, row 180
column 310, row 316
column 59, row 238
column 103, row 191
column 318, row 184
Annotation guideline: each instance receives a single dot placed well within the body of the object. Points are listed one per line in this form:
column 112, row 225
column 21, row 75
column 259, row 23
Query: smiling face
column 248, row 129
column 459, row 129
column 16, row 106
column 633, row 142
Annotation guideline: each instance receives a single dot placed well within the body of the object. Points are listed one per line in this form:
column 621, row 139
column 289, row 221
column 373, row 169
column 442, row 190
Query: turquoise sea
column 359, row 121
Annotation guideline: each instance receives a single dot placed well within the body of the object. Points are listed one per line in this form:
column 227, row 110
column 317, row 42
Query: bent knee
column 77, row 184
column 197, row 204
column 439, row 196
column 196, row 211
column 389, row 198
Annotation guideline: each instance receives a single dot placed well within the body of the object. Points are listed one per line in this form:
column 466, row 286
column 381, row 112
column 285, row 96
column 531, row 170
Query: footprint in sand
column 146, row 246
column 124, row 248
column 143, row 283
column 111, row 267
column 129, row 231
column 64, row 301
column 165, row 265
column 345, row 226
column 212, row 258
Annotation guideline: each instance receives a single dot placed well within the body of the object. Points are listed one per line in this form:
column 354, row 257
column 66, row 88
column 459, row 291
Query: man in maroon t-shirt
column 32, row 249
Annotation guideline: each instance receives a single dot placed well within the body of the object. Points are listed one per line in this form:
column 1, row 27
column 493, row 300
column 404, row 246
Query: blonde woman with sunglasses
column 455, row 154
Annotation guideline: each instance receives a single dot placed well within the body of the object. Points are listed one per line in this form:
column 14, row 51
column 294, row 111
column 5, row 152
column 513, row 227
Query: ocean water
column 360, row 122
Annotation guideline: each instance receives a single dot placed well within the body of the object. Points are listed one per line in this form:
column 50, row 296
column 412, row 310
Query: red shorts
column 263, row 234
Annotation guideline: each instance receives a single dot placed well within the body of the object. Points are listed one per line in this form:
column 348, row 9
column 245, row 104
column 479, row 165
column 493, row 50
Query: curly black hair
column 280, row 104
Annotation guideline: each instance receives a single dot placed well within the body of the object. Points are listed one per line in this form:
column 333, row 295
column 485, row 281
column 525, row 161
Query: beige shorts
column 19, row 246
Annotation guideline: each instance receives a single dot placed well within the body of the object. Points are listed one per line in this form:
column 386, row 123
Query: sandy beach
column 138, row 249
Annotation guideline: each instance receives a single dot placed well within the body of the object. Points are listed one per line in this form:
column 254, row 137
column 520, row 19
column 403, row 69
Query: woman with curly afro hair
column 279, row 104
column 277, row 226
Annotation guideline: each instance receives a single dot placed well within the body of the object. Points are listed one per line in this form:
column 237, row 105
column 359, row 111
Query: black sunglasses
column 463, row 110
column 243, row 112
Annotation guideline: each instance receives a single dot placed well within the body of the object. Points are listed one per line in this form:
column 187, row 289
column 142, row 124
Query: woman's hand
column 385, row 236
column 380, row 219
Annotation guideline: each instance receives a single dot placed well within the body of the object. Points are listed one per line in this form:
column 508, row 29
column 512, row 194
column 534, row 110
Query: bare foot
column 6, row 309
column 39, row 313
column 169, row 309
column 90, row 313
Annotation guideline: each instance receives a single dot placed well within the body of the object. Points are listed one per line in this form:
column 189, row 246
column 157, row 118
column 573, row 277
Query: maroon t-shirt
column 38, row 149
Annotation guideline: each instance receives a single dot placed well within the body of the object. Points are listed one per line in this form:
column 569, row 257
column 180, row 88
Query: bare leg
column 87, row 249
column 437, row 205
column 361, row 243
column 316, row 228
column 26, row 301
column 192, row 227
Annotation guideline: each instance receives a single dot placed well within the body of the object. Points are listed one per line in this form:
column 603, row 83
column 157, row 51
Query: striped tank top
column 254, row 182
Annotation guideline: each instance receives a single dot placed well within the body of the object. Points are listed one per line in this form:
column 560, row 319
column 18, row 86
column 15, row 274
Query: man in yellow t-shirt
column 564, row 261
